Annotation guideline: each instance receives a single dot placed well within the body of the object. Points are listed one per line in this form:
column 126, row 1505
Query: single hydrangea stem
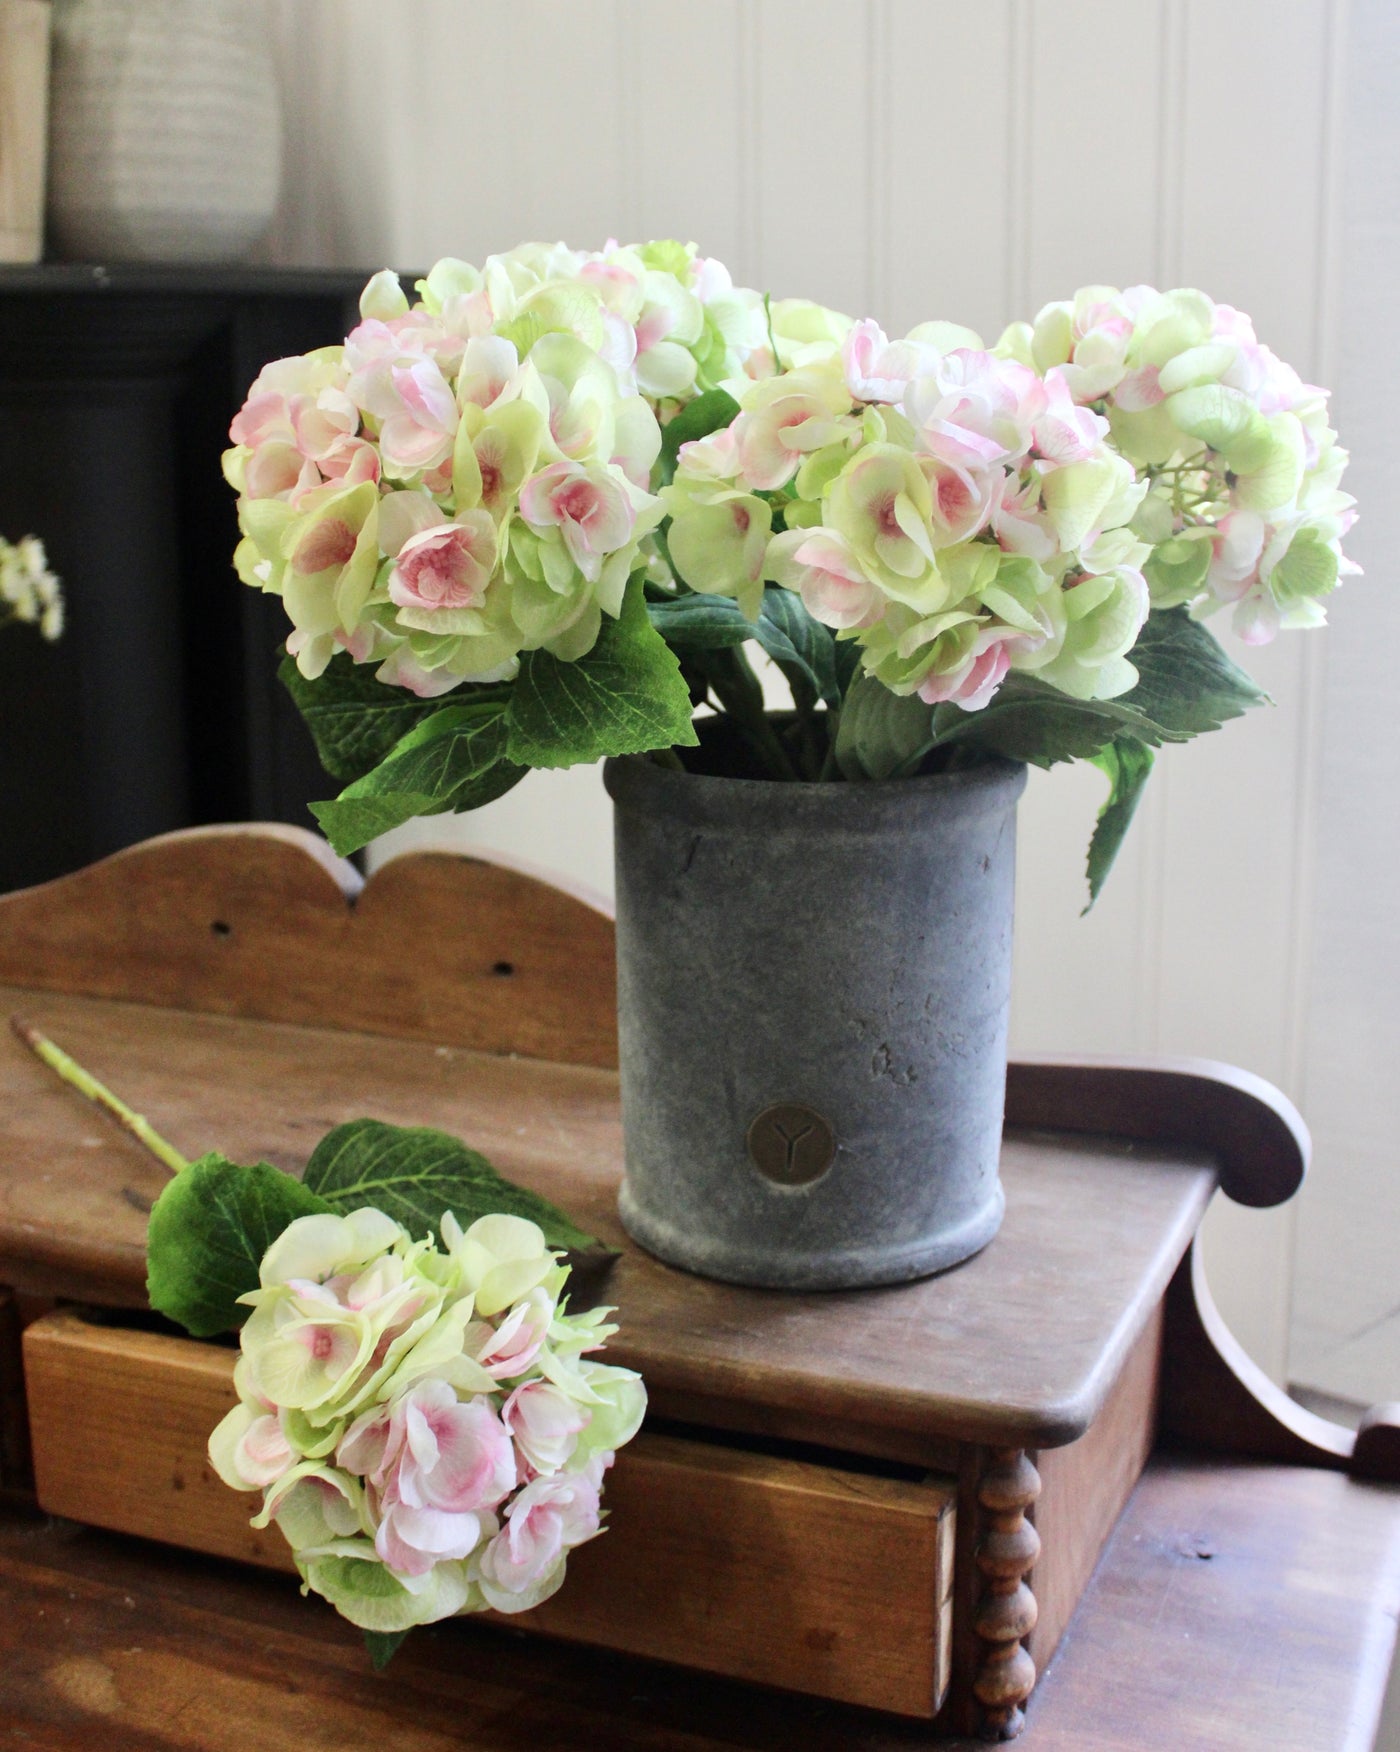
column 86, row 1084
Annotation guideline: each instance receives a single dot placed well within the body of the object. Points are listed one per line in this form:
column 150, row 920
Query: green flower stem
column 764, row 740
column 86, row 1084
column 804, row 700
column 741, row 698
column 829, row 767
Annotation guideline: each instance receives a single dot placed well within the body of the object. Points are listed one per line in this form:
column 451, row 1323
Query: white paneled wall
column 968, row 159
column 1346, row 1316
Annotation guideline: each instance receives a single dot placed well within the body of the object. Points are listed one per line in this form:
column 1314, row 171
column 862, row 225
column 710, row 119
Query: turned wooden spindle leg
column 1006, row 1611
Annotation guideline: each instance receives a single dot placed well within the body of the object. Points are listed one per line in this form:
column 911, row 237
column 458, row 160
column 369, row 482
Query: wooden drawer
column 753, row 1565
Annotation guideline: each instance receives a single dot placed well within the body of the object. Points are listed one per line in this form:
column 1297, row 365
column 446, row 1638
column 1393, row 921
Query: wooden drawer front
column 757, row 1567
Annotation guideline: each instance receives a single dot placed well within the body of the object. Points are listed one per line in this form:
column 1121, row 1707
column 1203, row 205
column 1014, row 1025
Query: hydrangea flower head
column 467, row 477
column 427, row 1424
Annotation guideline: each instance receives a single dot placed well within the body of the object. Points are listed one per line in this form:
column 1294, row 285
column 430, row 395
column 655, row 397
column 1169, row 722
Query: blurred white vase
column 165, row 132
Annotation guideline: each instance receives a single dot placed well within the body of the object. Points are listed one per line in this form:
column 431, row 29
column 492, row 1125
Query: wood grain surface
column 1083, row 1490
column 268, row 923
column 1018, row 1346
column 1243, row 1607
column 827, row 1581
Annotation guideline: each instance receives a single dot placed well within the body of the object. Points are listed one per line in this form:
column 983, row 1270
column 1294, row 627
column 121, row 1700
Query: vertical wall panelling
column 948, row 186
column 1155, row 813
column 1095, row 93
column 1346, row 1329
column 1250, row 203
column 808, row 170
column 682, row 156
column 879, row 158
column 1086, row 177
column 1020, row 149
column 1312, row 696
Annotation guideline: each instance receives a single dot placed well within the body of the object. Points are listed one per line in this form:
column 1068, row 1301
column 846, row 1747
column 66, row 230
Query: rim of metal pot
column 740, row 804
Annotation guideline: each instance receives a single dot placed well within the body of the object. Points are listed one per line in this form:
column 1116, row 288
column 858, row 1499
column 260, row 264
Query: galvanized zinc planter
column 813, row 990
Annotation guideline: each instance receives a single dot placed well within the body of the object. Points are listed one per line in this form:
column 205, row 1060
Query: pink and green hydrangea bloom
column 525, row 392
column 426, row 1424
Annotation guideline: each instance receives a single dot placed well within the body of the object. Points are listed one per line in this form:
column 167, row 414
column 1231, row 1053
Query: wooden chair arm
column 1214, row 1395
column 1255, row 1133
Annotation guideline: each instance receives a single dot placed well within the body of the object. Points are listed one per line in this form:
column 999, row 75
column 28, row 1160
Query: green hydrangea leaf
column 348, row 825
column 1032, row 721
column 1128, row 764
column 453, row 760
column 694, row 622
column 706, row 414
column 625, row 696
column 207, row 1235
column 881, row 734
column 382, row 1645
column 354, row 720
column 414, row 1174
column 1186, row 683
column 802, row 647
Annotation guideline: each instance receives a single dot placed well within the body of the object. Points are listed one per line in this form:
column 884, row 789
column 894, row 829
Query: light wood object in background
column 24, row 123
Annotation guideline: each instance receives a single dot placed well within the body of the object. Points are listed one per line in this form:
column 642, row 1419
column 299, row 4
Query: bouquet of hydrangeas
column 537, row 517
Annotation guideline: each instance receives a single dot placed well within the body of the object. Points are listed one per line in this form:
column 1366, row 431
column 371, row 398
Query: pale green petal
column 947, row 337
column 227, row 1434
column 447, row 279
column 719, row 548
column 1197, row 365
column 500, row 1600
column 364, row 1591
column 1224, row 418
column 1308, row 569
column 1272, row 485
column 579, row 637
column 383, row 298
column 1075, row 497
column 1052, row 338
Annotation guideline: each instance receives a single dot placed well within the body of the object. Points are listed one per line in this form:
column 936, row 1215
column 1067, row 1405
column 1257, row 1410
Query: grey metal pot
column 813, row 989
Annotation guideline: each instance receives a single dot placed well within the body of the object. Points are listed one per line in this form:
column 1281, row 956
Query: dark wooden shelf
column 159, row 708
column 145, row 279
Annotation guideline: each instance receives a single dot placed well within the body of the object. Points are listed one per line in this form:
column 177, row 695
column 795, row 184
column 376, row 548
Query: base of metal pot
column 833, row 1268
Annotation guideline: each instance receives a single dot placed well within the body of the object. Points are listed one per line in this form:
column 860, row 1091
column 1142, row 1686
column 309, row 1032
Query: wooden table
column 1239, row 1607
column 926, row 1475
